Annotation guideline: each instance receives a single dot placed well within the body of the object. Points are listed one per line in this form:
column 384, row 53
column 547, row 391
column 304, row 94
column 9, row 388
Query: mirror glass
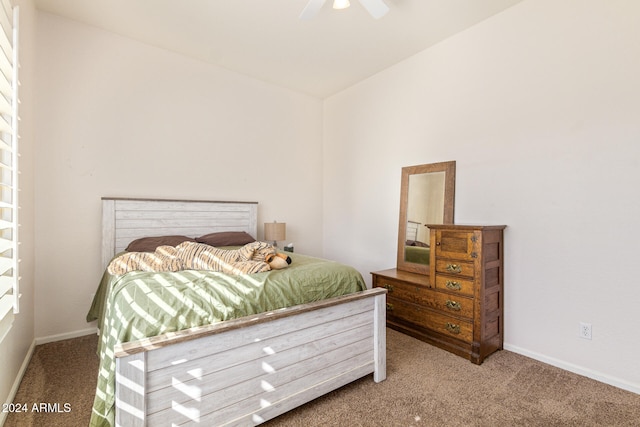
column 427, row 197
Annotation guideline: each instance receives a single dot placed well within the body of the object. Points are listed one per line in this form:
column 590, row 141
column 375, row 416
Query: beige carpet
column 425, row 386
column 60, row 372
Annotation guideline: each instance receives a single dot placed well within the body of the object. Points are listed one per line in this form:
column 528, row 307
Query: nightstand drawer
column 447, row 325
column 454, row 284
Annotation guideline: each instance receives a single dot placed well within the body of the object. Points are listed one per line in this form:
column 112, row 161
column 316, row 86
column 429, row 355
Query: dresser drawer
column 450, row 304
column 427, row 297
column 454, row 284
column 456, row 328
column 420, row 316
column 398, row 289
column 455, row 267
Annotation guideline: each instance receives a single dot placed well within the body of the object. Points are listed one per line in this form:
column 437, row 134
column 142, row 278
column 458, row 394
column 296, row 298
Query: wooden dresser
column 459, row 305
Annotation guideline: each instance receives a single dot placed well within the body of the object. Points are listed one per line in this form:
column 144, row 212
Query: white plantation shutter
column 9, row 293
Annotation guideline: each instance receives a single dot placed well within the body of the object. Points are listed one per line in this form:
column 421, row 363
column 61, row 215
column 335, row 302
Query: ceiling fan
column 377, row 8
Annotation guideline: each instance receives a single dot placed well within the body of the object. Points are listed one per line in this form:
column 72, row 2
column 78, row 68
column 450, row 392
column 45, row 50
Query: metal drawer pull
column 453, row 305
column 389, row 307
column 388, row 287
column 454, row 268
column 454, row 286
column 453, row 328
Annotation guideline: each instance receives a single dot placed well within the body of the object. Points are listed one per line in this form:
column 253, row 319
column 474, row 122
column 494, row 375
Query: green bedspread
column 142, row 304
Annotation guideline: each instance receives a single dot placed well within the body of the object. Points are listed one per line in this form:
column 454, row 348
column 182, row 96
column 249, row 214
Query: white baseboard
column 589, row 373
column 66, row 336
column 18, row 380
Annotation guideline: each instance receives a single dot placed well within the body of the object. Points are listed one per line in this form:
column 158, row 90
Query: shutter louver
column 9, row 292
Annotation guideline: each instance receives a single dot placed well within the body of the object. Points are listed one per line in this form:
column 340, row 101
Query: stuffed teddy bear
column 278, row 261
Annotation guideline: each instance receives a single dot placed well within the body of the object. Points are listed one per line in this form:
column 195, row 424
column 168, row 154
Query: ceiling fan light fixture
column 341, row 4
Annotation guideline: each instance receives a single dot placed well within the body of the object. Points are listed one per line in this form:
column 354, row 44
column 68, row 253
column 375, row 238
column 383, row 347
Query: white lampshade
column 275, row 231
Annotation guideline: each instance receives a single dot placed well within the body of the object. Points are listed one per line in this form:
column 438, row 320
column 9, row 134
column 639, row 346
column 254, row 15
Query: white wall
column 540, row 107
column 15, row 347
column 537, row 105
column 120, row 118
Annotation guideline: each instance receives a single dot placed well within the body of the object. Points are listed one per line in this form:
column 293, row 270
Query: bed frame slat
column 227, row 375
column 237, row 383
column 300, row 398
column 254, row 406
column 187, row 358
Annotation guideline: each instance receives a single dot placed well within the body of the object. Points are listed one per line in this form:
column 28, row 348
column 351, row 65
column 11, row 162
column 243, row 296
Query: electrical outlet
column 585, row 330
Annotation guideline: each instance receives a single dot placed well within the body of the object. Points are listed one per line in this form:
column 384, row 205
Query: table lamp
column 275, row 231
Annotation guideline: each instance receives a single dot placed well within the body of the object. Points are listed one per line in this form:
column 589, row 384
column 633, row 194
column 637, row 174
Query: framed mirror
column 427, row 194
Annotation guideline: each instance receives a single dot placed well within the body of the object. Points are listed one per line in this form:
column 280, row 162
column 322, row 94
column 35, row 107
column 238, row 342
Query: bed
column 196, row 347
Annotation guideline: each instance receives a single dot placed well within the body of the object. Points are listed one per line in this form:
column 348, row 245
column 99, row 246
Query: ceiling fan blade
column 311, row 9
column 377, row 8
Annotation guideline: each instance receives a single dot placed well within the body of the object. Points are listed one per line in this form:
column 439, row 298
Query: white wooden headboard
column 124, row 220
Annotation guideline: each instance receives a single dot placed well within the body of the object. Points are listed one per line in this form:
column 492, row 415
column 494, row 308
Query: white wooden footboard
column 246, row 371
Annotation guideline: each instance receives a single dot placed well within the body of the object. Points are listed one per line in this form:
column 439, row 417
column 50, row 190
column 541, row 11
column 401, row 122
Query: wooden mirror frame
column 449, row 168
